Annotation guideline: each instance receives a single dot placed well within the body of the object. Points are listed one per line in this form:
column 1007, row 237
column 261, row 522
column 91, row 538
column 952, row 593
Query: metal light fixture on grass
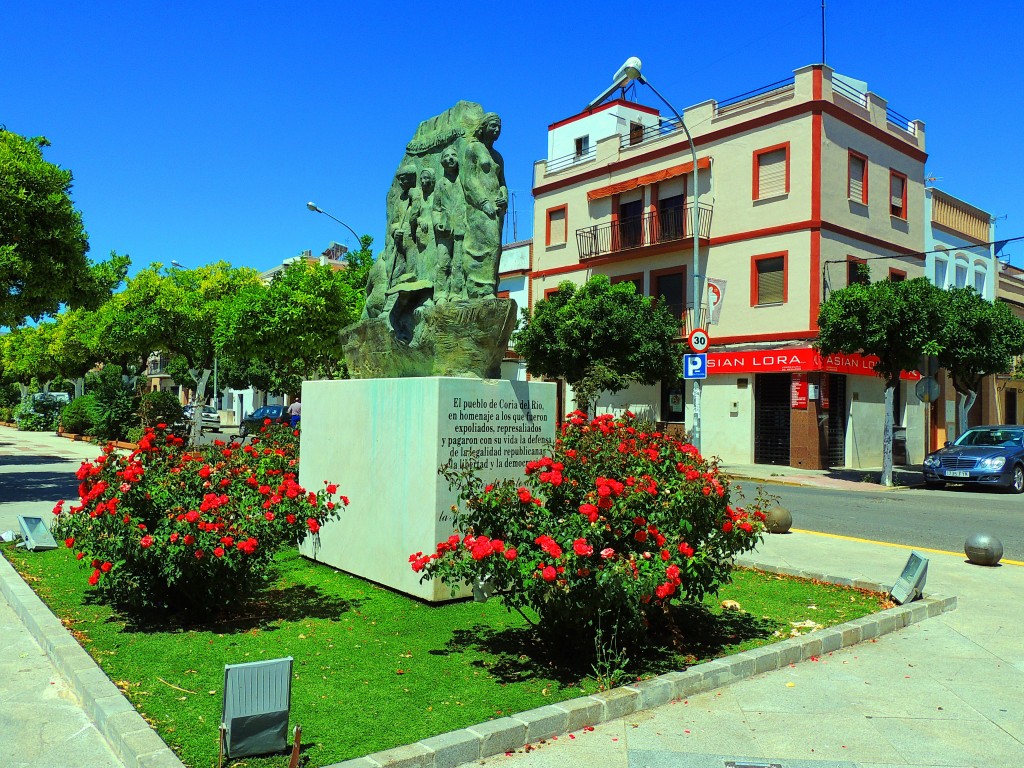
column 257, row 701
column 36, row 535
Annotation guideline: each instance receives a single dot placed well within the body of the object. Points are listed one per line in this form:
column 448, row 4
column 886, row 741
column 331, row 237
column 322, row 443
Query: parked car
column 210, row 417
column 990, row 455
column 254, row 420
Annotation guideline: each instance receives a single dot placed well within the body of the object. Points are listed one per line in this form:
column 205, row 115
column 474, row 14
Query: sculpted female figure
column 422, row 225
column 483, row 182
column 450, row 228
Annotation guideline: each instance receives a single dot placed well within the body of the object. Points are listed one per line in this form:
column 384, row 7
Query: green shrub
column 135, row 434
column 38, row 415
column 162, row 528
column 159, row 408
column 79, row 416
column 6, row 413
column 602, row 536
column 117, row 403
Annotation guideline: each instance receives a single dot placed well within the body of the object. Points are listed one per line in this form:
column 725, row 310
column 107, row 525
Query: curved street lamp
column 627, row 73
column 316, row 209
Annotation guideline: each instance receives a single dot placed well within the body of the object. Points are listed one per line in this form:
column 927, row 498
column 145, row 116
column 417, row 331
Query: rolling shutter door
column 771, row 174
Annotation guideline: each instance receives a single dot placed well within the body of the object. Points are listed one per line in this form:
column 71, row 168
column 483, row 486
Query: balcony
column 635, row 232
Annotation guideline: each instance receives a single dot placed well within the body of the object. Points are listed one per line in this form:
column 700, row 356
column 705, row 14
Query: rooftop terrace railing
column 567, row 161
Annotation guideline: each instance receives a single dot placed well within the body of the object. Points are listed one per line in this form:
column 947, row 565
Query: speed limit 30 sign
column 698, row 340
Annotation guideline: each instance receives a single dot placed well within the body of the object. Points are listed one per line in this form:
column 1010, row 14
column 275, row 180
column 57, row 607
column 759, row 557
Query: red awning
column 703, row 163
column 799, row 360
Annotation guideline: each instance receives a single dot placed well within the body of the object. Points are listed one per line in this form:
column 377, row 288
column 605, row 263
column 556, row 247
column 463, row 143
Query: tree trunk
column 197, row 405
column 964, row 403
column 79, row 387
column 24, row 390
column 887, row 436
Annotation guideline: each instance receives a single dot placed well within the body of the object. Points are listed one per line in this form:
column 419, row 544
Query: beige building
column 798, row 184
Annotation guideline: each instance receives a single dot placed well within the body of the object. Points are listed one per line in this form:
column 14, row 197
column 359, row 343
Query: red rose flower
column 146, row 542
column 332, row 488
column 549, row 574
column 95, row 578
column 727, row 526
column 313, row 525
column 69, row 542
column 582, row 548
column 218, row 552
column 511, row 554
column 685, row 550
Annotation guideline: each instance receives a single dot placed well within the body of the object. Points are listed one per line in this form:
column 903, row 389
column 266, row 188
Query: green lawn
column 374, row 669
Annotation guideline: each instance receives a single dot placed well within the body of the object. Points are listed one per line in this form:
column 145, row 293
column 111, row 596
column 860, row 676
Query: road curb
column 508, row 734
column 794, row 484
column 129, row 736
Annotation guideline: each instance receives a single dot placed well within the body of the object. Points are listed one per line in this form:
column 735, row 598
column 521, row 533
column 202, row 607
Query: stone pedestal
column 382, row 441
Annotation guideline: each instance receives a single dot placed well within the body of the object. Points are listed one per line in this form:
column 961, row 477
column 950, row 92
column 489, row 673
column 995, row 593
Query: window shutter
column 856, row 191
column 556, row 226
column 771, row 277
column 771, row 174
column 896, row 194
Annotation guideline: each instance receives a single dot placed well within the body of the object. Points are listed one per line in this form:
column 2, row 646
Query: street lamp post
column 631, row 71
column 316, row 209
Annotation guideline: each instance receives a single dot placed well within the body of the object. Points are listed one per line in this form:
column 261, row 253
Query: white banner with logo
column 716, row 297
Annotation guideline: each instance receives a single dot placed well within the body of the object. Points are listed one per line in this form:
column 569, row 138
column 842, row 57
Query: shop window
column 557, row 226
column 857, row 184
column 771, row 172
column 897, row 195
column 673, row 402
column 768, row 280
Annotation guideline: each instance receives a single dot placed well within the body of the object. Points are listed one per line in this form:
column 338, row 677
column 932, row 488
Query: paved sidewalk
column 836, row 479
column 946, row 692
column 42, row 723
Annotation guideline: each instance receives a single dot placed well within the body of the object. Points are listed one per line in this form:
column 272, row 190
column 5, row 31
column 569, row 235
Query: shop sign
column 794, row 361
column 798, row 392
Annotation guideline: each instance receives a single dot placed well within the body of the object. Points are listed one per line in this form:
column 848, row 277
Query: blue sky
column 198, row 131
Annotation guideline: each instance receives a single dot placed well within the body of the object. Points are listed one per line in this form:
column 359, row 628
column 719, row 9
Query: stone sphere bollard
column 780, row 520
column 983, row 549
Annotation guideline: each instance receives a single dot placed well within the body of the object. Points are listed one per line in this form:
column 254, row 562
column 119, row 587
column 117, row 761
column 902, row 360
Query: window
column 941, row 267
column 857, row 271
column 637, row 279
column 504, row 295
column 1010, row 416
column 670, row 286
column 980, row 278
column 672, row 218
column 771, row 172
column 582, row 145
column 857, row 184
column 631, row 229
column 557, row 226
column 768, row 279
column 960, row 274
column 636, row 133
column 897, row 275
column 897, row 195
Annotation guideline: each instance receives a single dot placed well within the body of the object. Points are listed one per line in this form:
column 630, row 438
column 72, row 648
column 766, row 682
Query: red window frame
column 854, row 260
column 632, row 277
column 565, row 224
column 849, row 176
column 897, row 274
column 757, row 177
column 753, row 276
column 903, row 213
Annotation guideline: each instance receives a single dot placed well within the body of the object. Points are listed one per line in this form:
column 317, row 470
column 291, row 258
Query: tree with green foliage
column 43, row 262
column 976, row 338
column 897, row 322
column 26, row 356
column 600, row 337
column 176, row 312
column 73, row 345
column 289, row 329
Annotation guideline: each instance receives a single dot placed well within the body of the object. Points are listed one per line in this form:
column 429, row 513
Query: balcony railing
column 664, row 127
column 567, row 161
column 639, row 231
column 758, row 94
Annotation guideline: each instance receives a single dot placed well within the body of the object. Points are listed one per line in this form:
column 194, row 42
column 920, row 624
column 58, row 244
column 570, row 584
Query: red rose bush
column 169, row 528
column 603, row 534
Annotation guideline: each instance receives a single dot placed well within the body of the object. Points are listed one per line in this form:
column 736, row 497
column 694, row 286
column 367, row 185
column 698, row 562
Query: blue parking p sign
column 695, row 366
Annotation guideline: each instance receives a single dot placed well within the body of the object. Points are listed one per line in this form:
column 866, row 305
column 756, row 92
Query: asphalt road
column 915, row 517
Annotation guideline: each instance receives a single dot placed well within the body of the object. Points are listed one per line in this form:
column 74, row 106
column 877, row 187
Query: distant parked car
column 991, row 455
column 210, row 417
column 253, row 422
